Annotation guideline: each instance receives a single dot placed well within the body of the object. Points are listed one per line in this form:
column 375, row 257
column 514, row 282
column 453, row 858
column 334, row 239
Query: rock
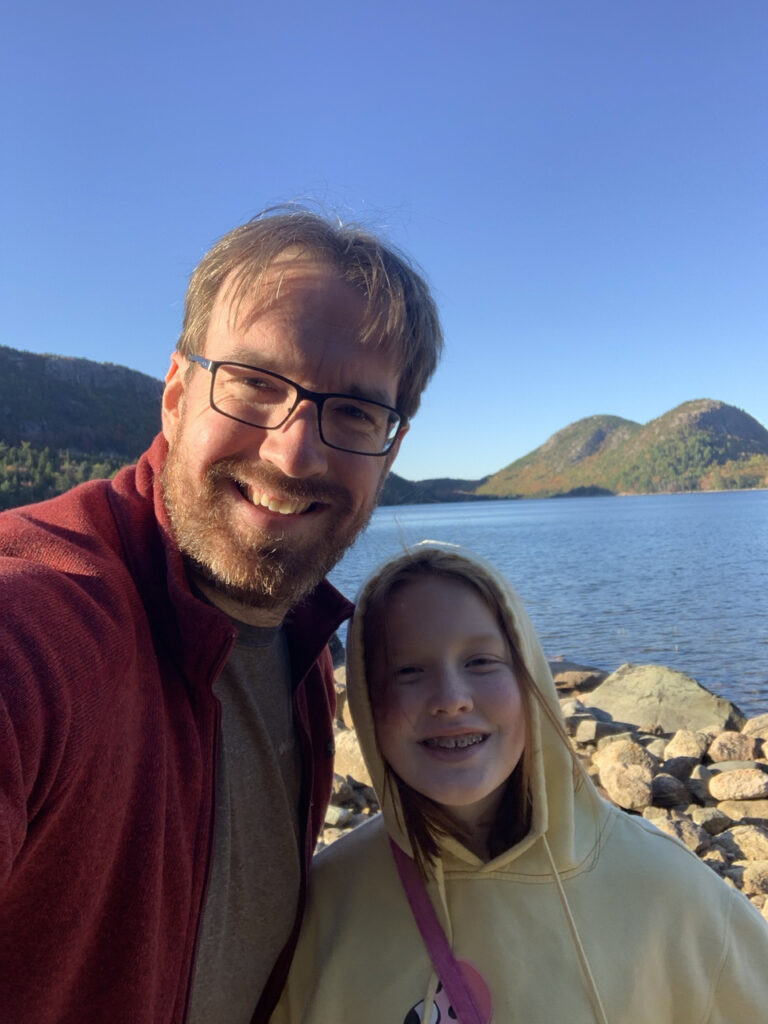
column 342, row 706
column 715, row 858
column 337, row 817
column 757, row 726
column 745, row 810
column 680, row 767
column 577, row 680
column 568, row 675
column 740, row 784
column 744, row 842
column 667, row 791
column 572, row 722
column 653, row 813
column 349, row 760
column 571, row 706
column 655, row 745
column 749, row 876
column 686, row 743
column 682, row 828
column 591, row 730
column 342, row 791
column 657, row 696
column 628, row 751
column 711, row 819
column 698, row 783
column 729, row 766
column 330, row 835
column 733, row 746
column 627, row 785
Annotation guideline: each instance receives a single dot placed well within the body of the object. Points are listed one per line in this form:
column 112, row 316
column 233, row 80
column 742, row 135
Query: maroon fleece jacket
column 108, row 736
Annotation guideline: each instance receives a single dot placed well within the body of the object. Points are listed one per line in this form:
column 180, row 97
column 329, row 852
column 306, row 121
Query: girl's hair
column 424, row 820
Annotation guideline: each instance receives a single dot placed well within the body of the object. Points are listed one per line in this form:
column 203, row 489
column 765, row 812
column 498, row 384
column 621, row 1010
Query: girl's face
column 449, row 714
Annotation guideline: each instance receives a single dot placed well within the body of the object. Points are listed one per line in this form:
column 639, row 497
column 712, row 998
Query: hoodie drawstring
column 594, row 994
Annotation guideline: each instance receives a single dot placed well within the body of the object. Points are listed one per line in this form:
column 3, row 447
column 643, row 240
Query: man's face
column 262, row 515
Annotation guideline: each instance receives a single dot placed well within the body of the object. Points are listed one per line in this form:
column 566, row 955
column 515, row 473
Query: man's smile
column 283, row 505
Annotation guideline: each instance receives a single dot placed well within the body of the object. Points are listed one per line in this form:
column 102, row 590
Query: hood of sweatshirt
column 565, row 809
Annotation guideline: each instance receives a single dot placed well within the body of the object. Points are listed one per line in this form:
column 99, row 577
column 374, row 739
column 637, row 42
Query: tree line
column 29, row 474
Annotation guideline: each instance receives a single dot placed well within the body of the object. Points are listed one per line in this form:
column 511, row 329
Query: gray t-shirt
column 253, row 892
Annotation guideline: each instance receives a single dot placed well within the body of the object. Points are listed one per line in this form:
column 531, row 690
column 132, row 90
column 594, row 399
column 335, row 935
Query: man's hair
column 400, row 315
column 424, row 820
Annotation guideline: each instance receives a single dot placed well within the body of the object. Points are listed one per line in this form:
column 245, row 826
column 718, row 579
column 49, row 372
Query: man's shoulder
column 68, row 541
column 64, row 567
column 89, row 526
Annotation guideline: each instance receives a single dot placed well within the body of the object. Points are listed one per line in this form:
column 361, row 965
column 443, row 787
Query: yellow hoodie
column 594, row 916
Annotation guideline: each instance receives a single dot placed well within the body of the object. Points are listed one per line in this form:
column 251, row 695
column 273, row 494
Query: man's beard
column 256, row 569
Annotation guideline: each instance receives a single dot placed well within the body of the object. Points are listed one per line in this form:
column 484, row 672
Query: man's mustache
column 262, row 476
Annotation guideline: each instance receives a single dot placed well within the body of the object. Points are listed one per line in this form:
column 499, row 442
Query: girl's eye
column 406, row 672
column 483, row 661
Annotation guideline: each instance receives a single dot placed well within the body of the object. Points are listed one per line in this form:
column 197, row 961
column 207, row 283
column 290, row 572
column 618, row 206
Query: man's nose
column 295, row 448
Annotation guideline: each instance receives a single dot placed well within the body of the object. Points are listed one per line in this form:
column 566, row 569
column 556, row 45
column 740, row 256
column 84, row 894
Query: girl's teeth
column 451, row 742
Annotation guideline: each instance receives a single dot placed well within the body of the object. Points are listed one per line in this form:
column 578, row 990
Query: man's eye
column 254, row 387
column 259, row 383
column 353, row 412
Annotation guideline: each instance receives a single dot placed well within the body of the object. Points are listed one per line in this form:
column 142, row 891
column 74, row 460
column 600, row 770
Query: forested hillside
column 63, row 421
column 699, row 445
column 66, row 420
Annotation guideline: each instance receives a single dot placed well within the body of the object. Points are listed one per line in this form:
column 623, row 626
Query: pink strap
column 448, row 971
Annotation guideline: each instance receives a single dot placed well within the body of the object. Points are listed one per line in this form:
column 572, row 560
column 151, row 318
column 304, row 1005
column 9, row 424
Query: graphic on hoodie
column 443, row 1012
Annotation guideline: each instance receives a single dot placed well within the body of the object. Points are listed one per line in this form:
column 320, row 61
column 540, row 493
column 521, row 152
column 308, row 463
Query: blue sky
column 584, row 183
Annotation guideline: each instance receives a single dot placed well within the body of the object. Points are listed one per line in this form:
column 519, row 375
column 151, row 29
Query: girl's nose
column 451, row 695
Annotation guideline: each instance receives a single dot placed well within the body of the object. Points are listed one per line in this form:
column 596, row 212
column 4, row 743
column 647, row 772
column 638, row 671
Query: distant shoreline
column 483, row 498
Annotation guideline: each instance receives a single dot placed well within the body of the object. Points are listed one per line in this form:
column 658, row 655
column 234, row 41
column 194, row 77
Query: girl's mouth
column 455, row 742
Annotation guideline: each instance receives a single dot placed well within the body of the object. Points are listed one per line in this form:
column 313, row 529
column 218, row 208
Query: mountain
column 398, row 491
column 565, row 461
column 64, row 420
column 699, row 445
column 76, row 404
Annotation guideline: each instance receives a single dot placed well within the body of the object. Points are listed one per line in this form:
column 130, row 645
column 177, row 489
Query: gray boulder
column 655, row 697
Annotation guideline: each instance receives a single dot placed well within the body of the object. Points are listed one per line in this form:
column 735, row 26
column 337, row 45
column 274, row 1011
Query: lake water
column 669, row 579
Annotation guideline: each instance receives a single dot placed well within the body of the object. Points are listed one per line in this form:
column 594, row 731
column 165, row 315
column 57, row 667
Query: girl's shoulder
column 353, row 865
column 367, row 840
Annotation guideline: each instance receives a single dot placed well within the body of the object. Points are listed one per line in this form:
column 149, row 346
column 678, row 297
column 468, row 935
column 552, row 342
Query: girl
column 497, row 885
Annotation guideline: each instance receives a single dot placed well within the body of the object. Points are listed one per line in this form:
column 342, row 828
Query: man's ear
column 173, row 395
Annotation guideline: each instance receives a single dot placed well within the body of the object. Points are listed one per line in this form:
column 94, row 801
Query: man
column 166, row 692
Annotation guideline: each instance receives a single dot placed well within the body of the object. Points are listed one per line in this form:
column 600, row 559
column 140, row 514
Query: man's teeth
column 451, row 742
column 285, row 506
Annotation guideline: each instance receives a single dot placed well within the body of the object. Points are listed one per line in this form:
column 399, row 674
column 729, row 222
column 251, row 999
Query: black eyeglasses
column 264, row 399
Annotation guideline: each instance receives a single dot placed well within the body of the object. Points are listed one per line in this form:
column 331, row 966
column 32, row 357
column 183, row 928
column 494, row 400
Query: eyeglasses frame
column 318, row 399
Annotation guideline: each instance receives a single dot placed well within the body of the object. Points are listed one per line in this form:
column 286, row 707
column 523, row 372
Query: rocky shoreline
column 656, row 743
